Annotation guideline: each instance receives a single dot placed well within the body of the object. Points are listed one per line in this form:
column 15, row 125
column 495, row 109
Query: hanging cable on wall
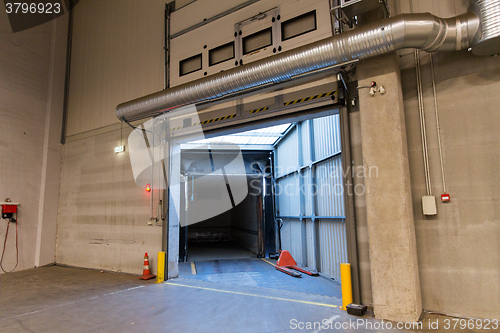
column 423, row 131
column 438, row 127
column 5, row 244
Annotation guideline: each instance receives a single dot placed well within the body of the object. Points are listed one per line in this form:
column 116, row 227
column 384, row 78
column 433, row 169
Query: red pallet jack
column 286, row 263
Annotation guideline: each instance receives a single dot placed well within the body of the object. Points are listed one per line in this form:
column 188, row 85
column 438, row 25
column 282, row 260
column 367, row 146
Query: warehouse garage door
column 292, row 133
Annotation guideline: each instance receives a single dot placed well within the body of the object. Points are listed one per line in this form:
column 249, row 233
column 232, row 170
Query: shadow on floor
column 198, row 251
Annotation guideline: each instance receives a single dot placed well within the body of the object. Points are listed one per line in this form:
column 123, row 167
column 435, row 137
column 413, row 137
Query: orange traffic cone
column 146, row 273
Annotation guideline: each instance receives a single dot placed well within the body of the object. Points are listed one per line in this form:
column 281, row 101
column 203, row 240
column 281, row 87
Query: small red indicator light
column 148, row 188
column 445, row 197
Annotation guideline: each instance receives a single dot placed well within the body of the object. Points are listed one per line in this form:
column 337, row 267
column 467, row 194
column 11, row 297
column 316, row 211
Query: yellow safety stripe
column 193, row 268
column 259, row 110
column 310, row 98
column 205, row 122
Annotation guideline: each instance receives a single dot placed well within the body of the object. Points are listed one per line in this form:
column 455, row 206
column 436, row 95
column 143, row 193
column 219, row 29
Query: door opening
column 293, row 186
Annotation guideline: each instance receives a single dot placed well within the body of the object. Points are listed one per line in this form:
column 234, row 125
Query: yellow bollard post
column 160, row 268
column 345, row 280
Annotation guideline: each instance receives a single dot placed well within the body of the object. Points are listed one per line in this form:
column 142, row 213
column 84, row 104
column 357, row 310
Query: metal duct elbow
column 422, row 31
column 487, row 41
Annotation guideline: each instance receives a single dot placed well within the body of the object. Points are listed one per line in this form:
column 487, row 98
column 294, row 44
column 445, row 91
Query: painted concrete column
column 393, row 252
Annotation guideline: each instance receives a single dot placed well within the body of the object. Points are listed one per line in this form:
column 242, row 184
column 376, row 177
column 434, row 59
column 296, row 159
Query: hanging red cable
column 4, row 245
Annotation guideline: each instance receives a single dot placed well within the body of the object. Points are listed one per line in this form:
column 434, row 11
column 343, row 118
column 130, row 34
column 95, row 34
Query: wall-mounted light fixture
column 119, row 149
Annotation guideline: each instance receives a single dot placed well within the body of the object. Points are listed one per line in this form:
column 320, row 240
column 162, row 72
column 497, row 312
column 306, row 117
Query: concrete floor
column 60, row 299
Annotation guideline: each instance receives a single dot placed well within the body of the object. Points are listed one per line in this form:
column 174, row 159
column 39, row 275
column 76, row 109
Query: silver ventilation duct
column 421, row 31
column 487, row 41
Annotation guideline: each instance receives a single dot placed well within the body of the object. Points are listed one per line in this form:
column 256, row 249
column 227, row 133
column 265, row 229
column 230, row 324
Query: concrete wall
column 103, row 214
column 32, row 69
column 459, row 249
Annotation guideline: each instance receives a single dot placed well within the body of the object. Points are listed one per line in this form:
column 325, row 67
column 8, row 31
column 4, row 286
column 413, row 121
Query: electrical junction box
column 429, row 205
column 356, row 309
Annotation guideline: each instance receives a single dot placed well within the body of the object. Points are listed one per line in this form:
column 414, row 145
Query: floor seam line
column 266, row 288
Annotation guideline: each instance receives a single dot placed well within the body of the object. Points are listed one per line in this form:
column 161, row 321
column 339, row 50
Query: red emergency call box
column 9, row 209
column 445, row 197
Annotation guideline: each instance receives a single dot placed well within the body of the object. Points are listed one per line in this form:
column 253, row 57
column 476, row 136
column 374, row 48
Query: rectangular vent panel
column 190, row 65
column 298, row 25
column 257, row 41
column 220, row 54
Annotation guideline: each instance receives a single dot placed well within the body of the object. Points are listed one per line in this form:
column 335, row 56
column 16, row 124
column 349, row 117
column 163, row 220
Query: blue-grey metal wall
column 309, row 195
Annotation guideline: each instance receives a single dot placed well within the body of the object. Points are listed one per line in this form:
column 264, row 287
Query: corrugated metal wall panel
column 286, row 236
column 305, row 146
column 111, row 60
column 308, row 192
column 287, row 156
column 291, row 238
column 310, row 244
column 287, row 198
column 326, row 136
column 333, row 246
column 330, row 199
column 322, row 195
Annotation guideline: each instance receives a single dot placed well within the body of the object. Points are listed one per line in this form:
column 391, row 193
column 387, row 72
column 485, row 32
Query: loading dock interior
column 408, row 107
column 300, row 210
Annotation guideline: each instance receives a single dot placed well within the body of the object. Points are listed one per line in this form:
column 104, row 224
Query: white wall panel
column 32, row 67
column 117, row 55
column 103, row 214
